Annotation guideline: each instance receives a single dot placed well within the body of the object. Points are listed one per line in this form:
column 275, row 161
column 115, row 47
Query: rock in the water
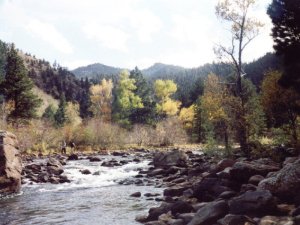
column 285, row 183
column 73, row 157
column 54, row 162
column 94, row 159
column 253, row 203
column 242, row 171
column 210, row 213
column 172, row 158
column 10, row 164
column 136, row 194
column 85, row 171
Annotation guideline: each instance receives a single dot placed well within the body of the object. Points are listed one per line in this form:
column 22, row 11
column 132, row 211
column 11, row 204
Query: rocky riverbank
column 200, row 190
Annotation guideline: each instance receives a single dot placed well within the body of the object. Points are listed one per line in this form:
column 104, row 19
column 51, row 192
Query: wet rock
column 210, row 213
column 172, row 158
column 33, row 167
column 55, row 170
column 242, row 171
column 119, row 153
column 43, row 178
column 236, row 220
column 10, row 164
column 285, row 183
column 54, row 162
column 73, row 157
column 85, row 171
column 97, row 173
column 94, row 159
column 273, row 220
column 151, row 194
column 253, row 203
column 136, row 194
column 64, row 179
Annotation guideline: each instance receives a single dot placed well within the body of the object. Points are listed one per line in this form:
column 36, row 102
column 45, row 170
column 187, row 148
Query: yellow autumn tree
column 187, row 116
column 213, row 103
column 163, row 91
column 101, row 99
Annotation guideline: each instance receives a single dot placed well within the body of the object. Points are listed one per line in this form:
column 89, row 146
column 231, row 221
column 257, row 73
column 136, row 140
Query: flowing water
column 88, row 199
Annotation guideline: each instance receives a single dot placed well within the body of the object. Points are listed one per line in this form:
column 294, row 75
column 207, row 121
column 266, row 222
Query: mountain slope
column 93, row 70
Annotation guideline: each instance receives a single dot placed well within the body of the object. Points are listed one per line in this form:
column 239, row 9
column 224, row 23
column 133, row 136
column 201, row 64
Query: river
column 88, row 199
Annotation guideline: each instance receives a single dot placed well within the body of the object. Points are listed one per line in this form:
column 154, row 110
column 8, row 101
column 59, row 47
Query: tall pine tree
column 17, row 88
column 285, row 15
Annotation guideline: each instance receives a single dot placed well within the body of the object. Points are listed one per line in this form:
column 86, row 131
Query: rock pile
column 200, row 190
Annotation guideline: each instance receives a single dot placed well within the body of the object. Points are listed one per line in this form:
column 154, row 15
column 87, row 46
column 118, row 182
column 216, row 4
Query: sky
column 123, row 33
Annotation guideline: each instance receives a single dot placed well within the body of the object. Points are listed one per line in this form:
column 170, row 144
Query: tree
column 126, row 100
column 243, row 30
column 285, row 16
column 49, row 113
column 147, row 114
column 60, row 115
column 282, row 105
column 101, row 100
column 213, row 103
column 163, row 91
column 72, row 114
column 17, row 87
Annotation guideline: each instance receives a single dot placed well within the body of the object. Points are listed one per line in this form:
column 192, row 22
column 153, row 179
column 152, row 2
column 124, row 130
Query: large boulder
column 242, row 171
column 253, row 203
column 285, row 183
column 171, row 158
column 209, row 189
column 210, row 213
column 10, row 164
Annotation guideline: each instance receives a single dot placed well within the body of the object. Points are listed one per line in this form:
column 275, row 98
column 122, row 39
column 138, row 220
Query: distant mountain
column 159, row 69
column 94, row 70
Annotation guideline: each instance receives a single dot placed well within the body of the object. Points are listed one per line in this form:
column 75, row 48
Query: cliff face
column 10, row 164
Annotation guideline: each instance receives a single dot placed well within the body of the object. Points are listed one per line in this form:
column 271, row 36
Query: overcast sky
column 122, row 33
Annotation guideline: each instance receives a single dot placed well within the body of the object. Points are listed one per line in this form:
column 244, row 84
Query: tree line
column 241, row 107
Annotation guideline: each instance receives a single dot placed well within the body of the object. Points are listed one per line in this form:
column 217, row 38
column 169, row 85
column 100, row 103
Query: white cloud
column 48, row 33
column 146, row 24
column 107, row 36
column 73, row 64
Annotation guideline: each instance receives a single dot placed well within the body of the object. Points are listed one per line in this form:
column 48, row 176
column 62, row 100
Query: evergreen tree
column 285, row 15
column 147, row 114
column 17, row 87
column 49, row 113
column 60, row 115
